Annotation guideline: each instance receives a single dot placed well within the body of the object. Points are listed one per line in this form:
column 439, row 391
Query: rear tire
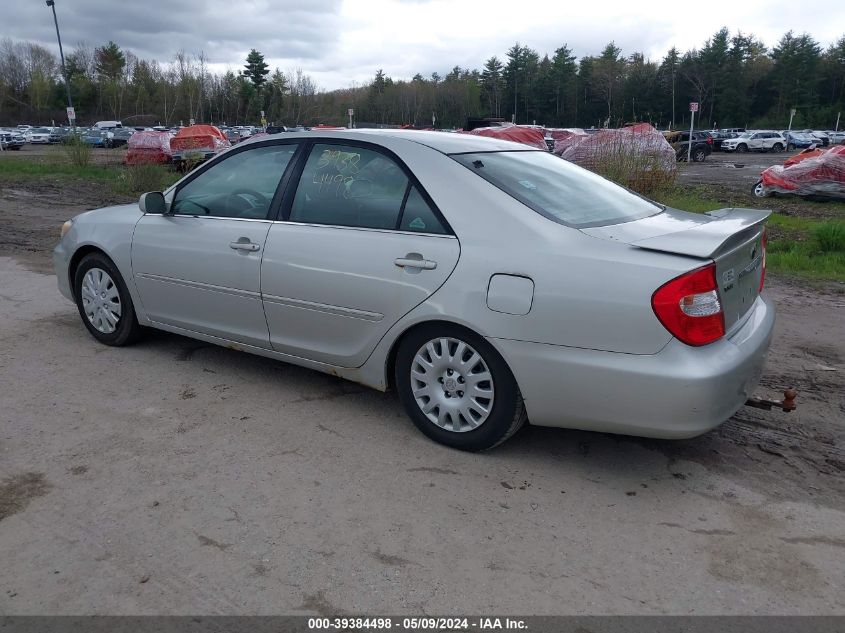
column 760, row 190
column 699, row 155
column 790, row 147
column 457, row 389
column 778, row 147
column 104, row 302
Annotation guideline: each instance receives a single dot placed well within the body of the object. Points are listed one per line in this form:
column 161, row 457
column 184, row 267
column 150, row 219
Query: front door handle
column 244, row 246
column 425, row 264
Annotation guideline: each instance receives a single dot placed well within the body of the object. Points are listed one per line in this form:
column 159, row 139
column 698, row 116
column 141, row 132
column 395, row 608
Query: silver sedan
column 486, row 282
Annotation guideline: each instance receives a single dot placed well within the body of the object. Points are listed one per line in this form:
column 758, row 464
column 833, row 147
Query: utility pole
column 70, row 111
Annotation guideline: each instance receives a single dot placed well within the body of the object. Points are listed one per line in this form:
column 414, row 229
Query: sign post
column 693, row 108
column 71, row 116
column 791, row 114
column 349, row 113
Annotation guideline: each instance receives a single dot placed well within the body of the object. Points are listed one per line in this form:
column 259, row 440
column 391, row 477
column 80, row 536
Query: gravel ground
column 177, row 477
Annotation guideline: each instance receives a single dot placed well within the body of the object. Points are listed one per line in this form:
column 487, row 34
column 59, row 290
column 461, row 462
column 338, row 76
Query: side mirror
column 153, row 202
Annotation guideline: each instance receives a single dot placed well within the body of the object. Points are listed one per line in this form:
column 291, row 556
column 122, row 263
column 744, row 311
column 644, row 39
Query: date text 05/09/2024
column 417, row 624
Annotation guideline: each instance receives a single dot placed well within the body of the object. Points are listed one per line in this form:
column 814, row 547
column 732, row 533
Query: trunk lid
column 732, row 238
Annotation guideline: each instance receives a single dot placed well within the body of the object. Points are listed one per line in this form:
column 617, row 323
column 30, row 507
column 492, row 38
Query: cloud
column 340, row 42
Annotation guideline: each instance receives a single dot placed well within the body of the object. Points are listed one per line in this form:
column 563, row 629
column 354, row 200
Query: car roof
column 446, row 142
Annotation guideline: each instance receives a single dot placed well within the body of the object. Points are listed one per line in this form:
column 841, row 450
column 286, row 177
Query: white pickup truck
column 761, row 141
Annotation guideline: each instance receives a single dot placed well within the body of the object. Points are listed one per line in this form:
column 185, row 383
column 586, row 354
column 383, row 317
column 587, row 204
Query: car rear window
column 557, row 189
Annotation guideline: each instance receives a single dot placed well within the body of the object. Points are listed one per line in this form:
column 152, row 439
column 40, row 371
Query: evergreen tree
column 256, row 69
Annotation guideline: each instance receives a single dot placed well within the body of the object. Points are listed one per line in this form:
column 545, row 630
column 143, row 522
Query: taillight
column 709, row 140
column 763, row 266
column 689, row 307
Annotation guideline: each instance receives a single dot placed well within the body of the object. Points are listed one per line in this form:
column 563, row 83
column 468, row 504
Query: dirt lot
column 176, row 477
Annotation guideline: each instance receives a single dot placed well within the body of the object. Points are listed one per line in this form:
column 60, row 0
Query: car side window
column 239, row 186
column 418, row 216
column 345, row 185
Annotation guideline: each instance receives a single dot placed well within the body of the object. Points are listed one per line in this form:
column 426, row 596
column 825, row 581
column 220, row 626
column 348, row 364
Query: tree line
column 735, row 78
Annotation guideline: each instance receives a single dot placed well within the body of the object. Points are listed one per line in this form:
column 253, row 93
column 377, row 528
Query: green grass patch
column 799, row 245
column 830, row 236
column 124, row 180
column 687, row 199
column 797, row 260
column 26, row 169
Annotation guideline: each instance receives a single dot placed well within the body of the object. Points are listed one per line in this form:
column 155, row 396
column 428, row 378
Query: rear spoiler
column 726, row 229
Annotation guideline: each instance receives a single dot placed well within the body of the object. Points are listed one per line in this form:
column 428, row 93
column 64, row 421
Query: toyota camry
column 487, row 283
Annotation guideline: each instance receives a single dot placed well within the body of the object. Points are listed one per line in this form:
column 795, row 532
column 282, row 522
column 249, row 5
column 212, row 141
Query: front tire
column 457, row 389
column 760, row 190
column 742, row 148
column 104, row 302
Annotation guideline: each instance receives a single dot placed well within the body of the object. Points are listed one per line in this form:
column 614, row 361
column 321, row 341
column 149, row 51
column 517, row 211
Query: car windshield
column 557, row 189
column 40, row 130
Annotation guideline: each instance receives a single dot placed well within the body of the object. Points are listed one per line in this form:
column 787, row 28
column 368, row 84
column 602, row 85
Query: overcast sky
column 341, row 42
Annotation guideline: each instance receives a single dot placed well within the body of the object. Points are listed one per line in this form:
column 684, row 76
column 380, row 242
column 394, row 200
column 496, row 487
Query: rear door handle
column 244, row 246
column 425, row 264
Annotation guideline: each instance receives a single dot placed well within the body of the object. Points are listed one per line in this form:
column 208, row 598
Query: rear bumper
column 680, row 392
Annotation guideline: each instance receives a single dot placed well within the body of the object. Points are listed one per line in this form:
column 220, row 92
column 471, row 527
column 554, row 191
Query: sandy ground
column 177, row 477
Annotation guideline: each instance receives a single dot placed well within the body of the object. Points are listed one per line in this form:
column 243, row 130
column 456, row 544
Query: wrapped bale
column 531, row 136
column 638, row 156
column 198, row 142
column 564, row 138
column 148, row 147
column 813, row 172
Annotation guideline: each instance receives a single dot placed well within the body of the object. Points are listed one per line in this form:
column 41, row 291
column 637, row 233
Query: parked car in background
column 233, row 135
column 59, row 134
column 837, row 138
column 822, row 136
column 702, row 145
column 719, row 136
column 118, row 136
column 94, row 137
column 11, row 139
column 760, row 141
column 799, row 140
column 38, row 135
column 431, row 264
column 107, row 125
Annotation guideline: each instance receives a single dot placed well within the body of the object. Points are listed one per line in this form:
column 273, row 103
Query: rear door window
column 347, row 185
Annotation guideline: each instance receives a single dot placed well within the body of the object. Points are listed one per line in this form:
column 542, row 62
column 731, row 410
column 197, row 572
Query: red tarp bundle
column 639, row 143
column 811, row 173
column 148, row 147
column 532, row 136
column 199, row 137
column 565, row 137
